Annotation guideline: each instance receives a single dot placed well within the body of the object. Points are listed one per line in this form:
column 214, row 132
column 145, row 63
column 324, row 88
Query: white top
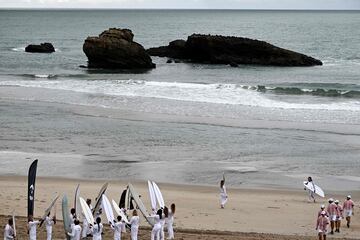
column 96, row 231
column 48, row 223
column 8, row 232
column 223, row 190
column 75, row 232
column 117, row 227
column 135, row 222
column 170, row 218
column 32, row 229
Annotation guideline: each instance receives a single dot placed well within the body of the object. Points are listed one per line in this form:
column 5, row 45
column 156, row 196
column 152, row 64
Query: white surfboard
column 14, row 224
column 86, row 210
column 317, row 189
column 140, row 205
column 107, row 209
column 158, row 195
column 76, row 202
column 98, row 198
column 152, row 196
column 119, row 212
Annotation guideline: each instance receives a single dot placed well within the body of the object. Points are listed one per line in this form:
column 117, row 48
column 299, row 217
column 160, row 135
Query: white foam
column 207, row 93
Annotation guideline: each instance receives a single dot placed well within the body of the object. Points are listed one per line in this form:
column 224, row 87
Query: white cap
column 331, row 200
column 322, row 206
column 349, row 196
column 336, row 201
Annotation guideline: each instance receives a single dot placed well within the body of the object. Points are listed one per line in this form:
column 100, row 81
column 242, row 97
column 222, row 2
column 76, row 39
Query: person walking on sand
column 348, row 208
column 170, row 221
column 117, row 227
column 322, row 208
column 223, row 193
column 339, row 216
column 322, row 225
column 97, row 229
column 134, row 222
column 331, row 210
column 9, row 233
column 75, row 231
column 32, row 225
column 155, row 232
column 311, row 194
column 49, row 223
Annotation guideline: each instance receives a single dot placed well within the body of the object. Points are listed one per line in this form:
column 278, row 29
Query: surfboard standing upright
column 31, row 187
column 66, row 216
column 47, row 211
column 14, row 223
column 76, row 202
column 99, row 198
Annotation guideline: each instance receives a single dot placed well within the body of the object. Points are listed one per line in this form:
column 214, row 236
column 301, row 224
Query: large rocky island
column 213, row 49
column 115, row 49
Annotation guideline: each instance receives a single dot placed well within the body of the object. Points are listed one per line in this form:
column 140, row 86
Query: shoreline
column 247, row 211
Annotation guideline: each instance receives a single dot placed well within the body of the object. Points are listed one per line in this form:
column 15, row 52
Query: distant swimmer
column 331, row 210
column 49, row 223
column 134, row 222
column 322, row 225
column 311, row 194
column 348, row 208
column 32, row 225
column 9, row 232
column 75, row 231
column 97, row 229
column 223, row 193
column 339, row 216
column 117, row 227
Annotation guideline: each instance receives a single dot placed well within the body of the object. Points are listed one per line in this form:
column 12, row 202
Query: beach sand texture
column 247, row 214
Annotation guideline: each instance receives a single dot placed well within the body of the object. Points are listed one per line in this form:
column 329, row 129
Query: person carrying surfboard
column 223, row 193
column 97, row 229
column 311, row 194
column 75, row 231
column 134, row 223
column 322, row 225
column 331, row 210
column 49, row 222
column 348, row 207
column 117, row 227
column 32, row 225
column 155, row 232
column 9, row 233
column 86, row 229
column 72, row 216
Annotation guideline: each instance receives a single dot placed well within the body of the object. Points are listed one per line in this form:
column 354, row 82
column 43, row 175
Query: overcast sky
column 206, row 4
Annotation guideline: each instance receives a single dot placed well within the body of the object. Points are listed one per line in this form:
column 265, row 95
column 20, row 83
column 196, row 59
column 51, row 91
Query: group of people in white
column 163, row 218
column 332, row 215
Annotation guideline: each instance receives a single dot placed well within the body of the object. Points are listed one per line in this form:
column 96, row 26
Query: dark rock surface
column 41, row 48
column 212, row 49
column 115, row 49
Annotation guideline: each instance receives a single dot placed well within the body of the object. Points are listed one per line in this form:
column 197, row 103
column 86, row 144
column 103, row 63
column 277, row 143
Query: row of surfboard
column 131, row 197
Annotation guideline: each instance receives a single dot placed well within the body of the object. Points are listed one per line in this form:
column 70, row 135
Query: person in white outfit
column 49, row 223
column 86, row 229
column 134, row 222
column 72, row 216
column 32, row 225
column 9, row 233
column 155, row 232
column 97, row 229
column 117, row 227
column 311, row 194
column 223, row 193
column 169, row 216
column 162, row 223
column 75, row 231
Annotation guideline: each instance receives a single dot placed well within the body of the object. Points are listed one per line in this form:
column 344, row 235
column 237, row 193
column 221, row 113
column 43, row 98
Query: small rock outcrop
column 115, row 49
column 41, row 48
column 213, row 49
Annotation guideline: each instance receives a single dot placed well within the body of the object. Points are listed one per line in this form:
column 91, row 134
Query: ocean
column 182, row 122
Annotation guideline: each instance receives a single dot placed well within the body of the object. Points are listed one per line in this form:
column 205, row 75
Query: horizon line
column 226, row 9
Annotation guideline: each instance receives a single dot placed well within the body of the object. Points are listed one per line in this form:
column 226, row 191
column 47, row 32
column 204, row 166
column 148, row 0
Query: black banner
column 31, row 187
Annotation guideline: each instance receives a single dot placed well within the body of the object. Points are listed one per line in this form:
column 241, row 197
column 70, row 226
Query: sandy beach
column 249, row 214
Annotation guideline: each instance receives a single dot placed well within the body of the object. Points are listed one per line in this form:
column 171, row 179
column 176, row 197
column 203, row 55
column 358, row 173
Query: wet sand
column 249, row 214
